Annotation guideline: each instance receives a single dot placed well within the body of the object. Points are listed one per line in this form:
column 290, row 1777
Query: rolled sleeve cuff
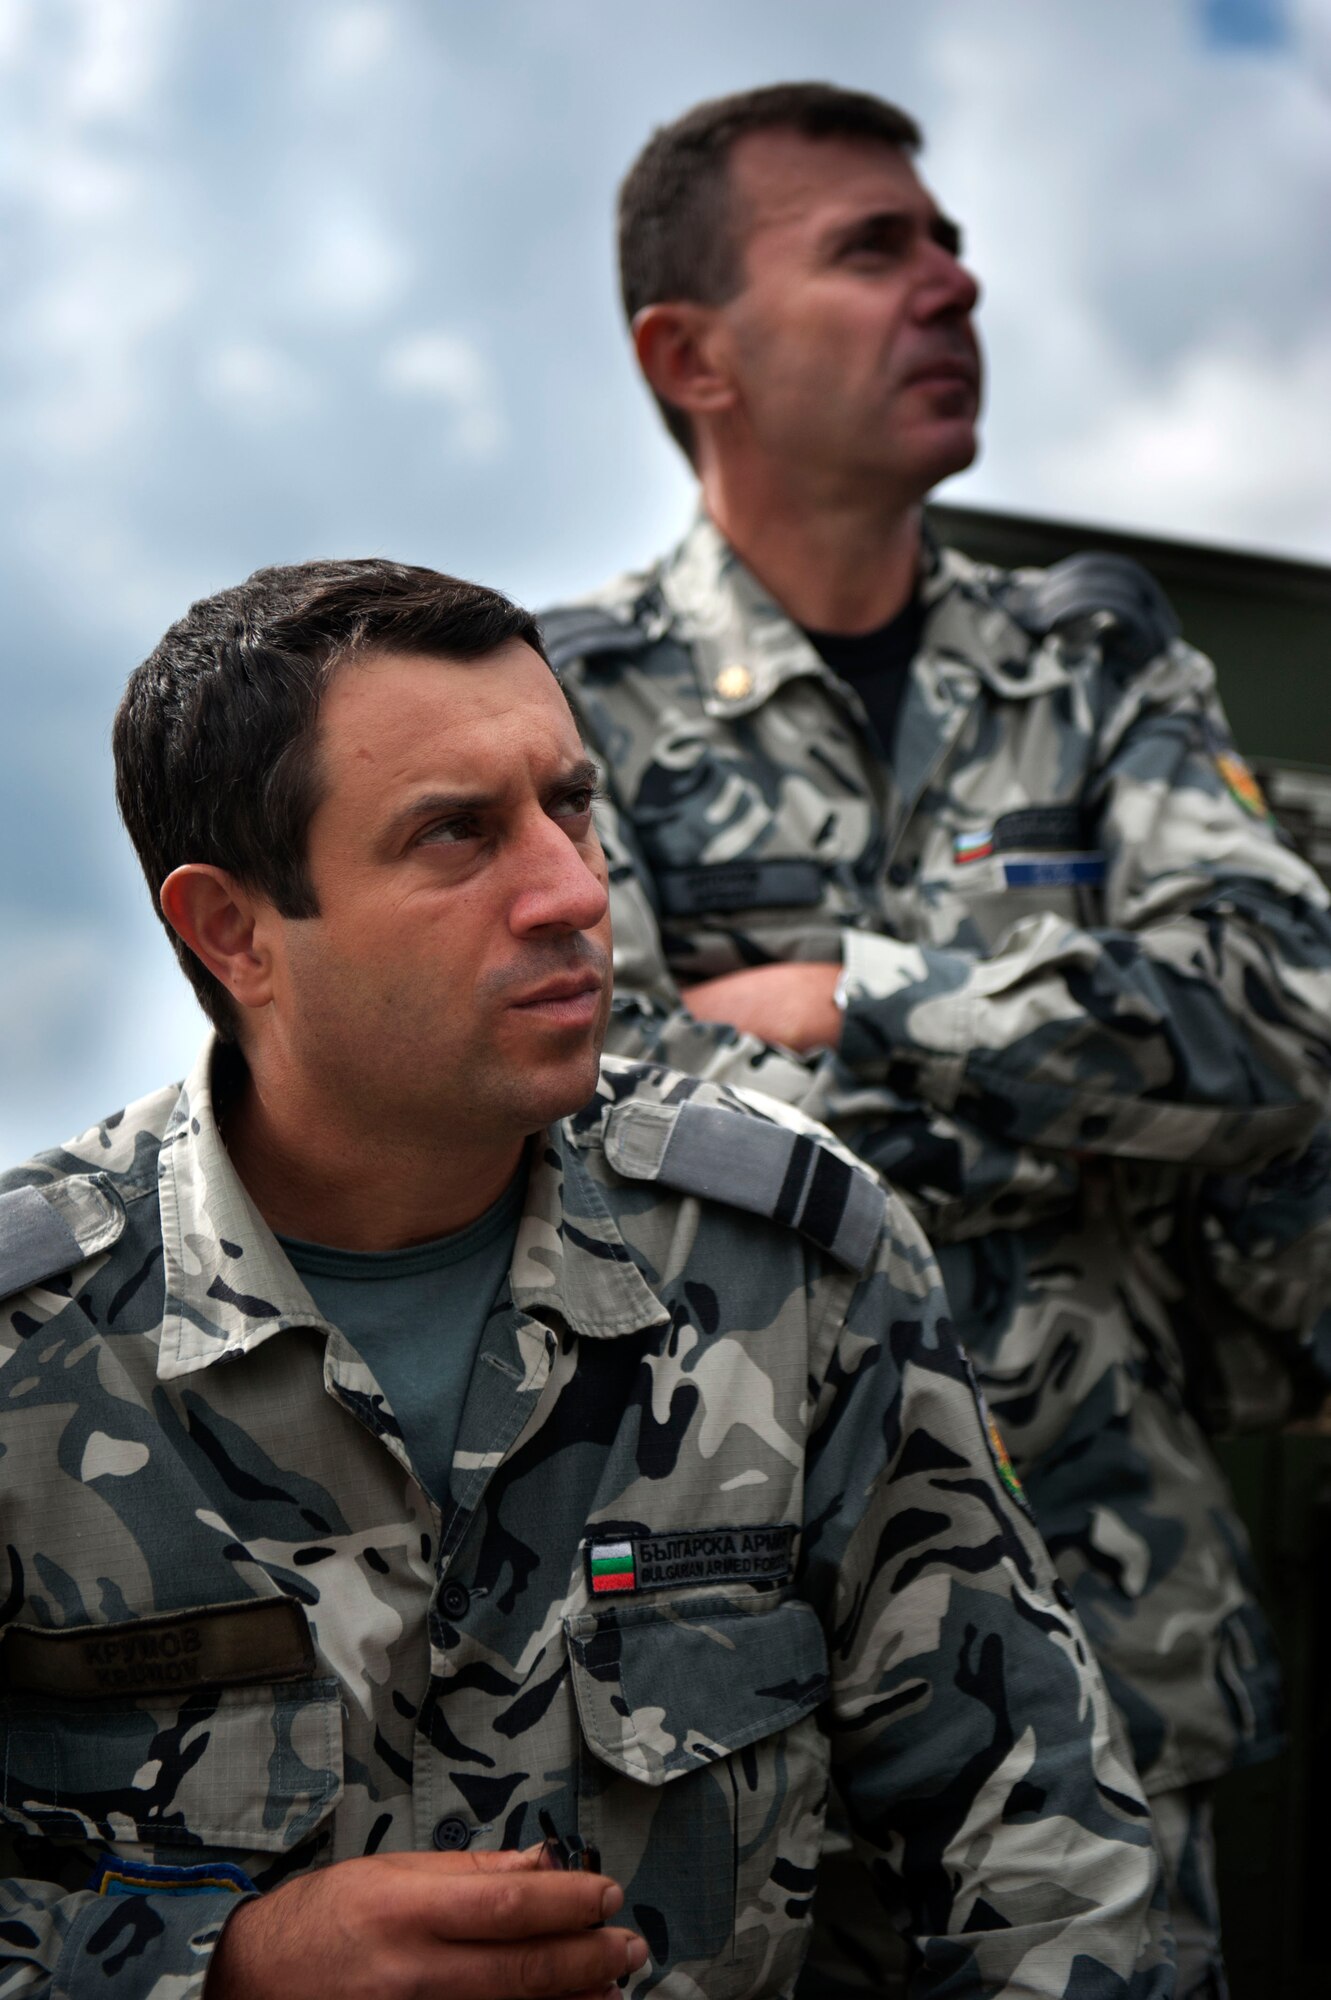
column 143, row 1947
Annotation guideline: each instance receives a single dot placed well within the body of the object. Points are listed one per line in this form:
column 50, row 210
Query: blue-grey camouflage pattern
column 1088, row 999
column 664, row 1372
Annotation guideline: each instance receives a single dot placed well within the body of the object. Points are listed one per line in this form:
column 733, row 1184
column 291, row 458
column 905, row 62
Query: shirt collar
column 745, row 646
column 230, row 1285
column 570, row 1257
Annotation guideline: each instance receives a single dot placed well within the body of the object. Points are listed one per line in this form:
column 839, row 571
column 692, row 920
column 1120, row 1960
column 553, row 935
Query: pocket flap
column 665, row 1689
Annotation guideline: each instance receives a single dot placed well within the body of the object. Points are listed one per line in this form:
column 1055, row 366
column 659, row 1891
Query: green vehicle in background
column 1266, row 623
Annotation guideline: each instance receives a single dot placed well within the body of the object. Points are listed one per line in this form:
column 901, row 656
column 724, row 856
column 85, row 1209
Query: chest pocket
column 250, row 1768
column 704, row 1777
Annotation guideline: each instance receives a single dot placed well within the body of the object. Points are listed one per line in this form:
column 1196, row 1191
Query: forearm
column 1191, row 1041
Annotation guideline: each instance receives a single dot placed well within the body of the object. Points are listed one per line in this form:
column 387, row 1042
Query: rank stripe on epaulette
column 770, row 1170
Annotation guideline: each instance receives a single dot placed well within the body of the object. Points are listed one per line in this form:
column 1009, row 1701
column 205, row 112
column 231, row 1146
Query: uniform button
column 451, row 1833
column 899, row 874
column 455, row 1598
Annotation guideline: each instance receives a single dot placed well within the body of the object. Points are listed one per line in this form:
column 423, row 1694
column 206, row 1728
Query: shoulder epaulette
column 47, row 1231
column 581, row 631
column 726, row 1155
column 1097, row 581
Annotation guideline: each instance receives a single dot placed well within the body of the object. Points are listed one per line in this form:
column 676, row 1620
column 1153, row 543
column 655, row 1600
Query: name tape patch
column 691, row 1556
column 1059, row 871
column 739, row 885
column 261, row 1639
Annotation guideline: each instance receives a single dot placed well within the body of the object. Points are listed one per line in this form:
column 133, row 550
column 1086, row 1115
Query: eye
column 448, row 832
column 878, row 237
column 947, row 235
column 575, row 804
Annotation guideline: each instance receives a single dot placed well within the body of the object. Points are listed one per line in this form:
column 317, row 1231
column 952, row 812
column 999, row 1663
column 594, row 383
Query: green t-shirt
column 415, row 1317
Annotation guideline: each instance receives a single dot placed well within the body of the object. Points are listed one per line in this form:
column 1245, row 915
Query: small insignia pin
column 734, row 682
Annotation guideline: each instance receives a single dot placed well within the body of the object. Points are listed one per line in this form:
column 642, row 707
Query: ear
column 218, row 919
column 681, row 352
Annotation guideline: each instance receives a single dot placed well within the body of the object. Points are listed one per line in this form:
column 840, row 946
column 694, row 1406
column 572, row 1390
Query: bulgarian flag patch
column 973, row 846
column 613, row 1566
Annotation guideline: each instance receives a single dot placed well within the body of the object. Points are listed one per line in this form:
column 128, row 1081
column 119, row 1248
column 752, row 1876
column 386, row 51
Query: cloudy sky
column 287, row 278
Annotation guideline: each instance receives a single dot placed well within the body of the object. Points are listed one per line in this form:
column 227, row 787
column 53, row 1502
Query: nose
column 950, row 289
column 561, row 882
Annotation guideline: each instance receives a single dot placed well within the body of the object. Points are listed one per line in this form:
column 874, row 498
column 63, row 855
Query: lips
column 566, row 987
column 949, row 369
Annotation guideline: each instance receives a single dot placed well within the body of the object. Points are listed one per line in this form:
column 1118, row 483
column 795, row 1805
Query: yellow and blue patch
column 114, row 1877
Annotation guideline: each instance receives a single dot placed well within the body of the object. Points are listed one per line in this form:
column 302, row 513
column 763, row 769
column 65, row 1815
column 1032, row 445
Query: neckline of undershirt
column 324, row 1260
column 891, row 645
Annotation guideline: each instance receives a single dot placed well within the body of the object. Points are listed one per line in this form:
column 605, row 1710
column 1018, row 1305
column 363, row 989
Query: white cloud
column 117, row 57
column 444, row 368
column 1222, row 442
column 85, row 338
column 257, row 382
column 351, row 42
column 1146, row 216
column 350, row 267
column 1311, row 23
column 16, row 23
column 89, row 1020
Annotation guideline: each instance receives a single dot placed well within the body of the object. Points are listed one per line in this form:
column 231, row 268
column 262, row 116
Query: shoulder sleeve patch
column 1097, row 581
column 789, row 1176
column 47, row 1231
column 580, row 631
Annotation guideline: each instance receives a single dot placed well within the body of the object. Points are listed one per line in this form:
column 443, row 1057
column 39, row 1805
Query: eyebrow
column 939, row 227
column 446, row 805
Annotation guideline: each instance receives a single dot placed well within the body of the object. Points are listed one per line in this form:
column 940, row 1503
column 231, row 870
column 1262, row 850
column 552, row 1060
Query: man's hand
column 791, row 1004
column 417, row 1926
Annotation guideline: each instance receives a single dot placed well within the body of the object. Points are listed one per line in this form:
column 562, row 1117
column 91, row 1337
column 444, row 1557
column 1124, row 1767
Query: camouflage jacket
column 723, row 1515
column 1083, row 972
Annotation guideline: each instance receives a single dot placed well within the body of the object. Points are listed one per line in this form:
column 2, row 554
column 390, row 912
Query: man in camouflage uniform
column 290, row 1692
column 983, row 839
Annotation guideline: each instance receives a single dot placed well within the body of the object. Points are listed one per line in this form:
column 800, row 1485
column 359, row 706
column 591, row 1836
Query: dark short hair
column 677, row 237
column 216, row 740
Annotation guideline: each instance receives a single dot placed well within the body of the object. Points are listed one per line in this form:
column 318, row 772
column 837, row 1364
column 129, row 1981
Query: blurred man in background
column 979, row 844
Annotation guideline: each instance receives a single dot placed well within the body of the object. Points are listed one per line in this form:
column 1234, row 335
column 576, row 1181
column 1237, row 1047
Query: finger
column 495, row 1861
column 545, row 1968
column 529, row 1902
